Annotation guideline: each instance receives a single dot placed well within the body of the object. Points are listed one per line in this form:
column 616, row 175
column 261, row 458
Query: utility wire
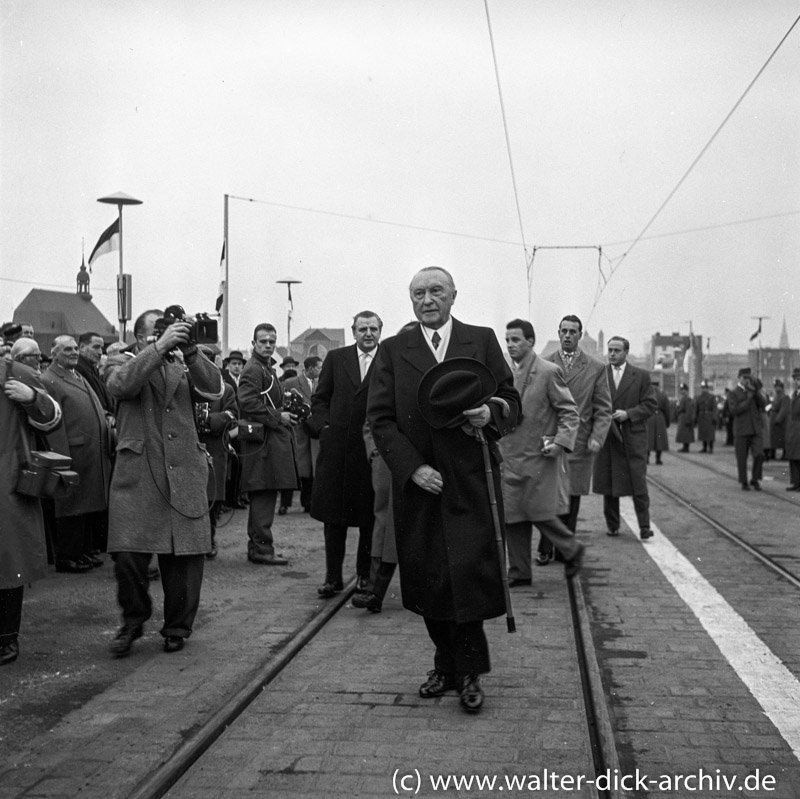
column 528, row 265
column 694, row 163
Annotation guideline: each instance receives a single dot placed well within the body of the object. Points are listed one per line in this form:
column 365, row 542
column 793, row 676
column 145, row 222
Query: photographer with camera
column 158, row 502
column 746, row 402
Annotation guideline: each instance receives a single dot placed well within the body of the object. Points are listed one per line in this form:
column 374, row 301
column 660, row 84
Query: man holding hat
column 435, row 385
column 746, row 402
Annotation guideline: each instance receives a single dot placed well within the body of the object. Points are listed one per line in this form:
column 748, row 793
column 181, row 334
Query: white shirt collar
column 444, row 335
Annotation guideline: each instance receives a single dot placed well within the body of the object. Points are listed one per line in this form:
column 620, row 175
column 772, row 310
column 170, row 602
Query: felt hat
column 745, row 370
column 289, row 361
column 236, row 355
column 452, row 387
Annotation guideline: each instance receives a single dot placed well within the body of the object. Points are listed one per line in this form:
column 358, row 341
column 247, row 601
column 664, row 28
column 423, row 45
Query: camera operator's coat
column 23, row 556
column 446, row 543
column 267, row 465
column 158, row 501
column 222, row 413
column 342, row 492
column 620, row 469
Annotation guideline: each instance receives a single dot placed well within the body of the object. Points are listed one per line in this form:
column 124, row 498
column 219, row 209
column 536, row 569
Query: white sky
column 390, row 110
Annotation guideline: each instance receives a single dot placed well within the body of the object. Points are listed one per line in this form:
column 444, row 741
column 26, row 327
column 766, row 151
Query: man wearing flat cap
column 746, row 402
column 424, row 423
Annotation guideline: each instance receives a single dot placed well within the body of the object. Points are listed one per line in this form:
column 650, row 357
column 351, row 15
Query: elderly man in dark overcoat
column 449, row 565
column 621, row 466
column 268, row 462
column 587, row 382
column 158, row 502
column 342, row 495
column 81, row 516
column 24, row 407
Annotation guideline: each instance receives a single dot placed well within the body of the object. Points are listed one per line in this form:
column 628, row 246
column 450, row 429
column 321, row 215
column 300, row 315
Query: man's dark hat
column 778, row 383
column 452, row 387
column 289, row 361
column 236, row 355
column 795, row 372
column 745, row 370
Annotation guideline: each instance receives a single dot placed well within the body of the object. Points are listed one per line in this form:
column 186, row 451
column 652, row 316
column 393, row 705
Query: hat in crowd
column 704, row 384
column 796, row 372
column 452, row 387
column 236, row 355
column 777, row 382
column 745, row 370
column 289, row 361
column 655, row 382
column 684, row 387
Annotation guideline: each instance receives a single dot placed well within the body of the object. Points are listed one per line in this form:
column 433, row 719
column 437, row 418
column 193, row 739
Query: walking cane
column 501, row 552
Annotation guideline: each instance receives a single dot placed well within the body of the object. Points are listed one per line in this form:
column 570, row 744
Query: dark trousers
column 570, row 519
column 380, row 575
column 10, row 614
column 460, row 648
column 742, row 445
column 306, row 484
column 641, row 504
column 335, row 547
column 518, row 542
column 181, row 579
column 72, row 537
column 259, row 523
column 794, row 473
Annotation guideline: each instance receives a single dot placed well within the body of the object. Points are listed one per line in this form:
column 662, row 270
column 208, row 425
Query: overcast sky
column 358, row 110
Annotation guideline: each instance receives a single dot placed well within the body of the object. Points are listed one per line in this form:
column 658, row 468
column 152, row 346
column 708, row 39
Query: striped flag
column 221, row 295
column 108, row 241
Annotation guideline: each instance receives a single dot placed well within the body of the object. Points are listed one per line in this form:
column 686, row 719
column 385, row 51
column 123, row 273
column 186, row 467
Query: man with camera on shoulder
column 158, row 502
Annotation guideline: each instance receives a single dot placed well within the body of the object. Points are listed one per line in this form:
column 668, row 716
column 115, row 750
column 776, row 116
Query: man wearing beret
column 450, row 568
column 746, row 402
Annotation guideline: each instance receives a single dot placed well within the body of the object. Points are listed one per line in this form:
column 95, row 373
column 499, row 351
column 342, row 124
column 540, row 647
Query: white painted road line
column 774, row 687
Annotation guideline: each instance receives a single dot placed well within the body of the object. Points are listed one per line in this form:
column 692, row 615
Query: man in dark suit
column 449, row 565
column 746, row 402
column 90, row 353
column 621, row 466
column 587, row 381
column 342, row 495
column 233, row 371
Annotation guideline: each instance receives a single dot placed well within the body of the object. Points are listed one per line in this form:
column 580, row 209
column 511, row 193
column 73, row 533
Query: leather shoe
column 9, row 653
column 756, row 485
column 543, row 558
column 745, row 487
column 575, row 563
column 92, row 560
column 612, row 533
column 173, row 643
column 268, row 560
column 282, row 510
column 212, row 553
column 329, row 589
column 437, row 684
column 645, row 532
column 123, row 640
column 368, row 601
column 518, row 581
column 73, row 566
column 471, row 693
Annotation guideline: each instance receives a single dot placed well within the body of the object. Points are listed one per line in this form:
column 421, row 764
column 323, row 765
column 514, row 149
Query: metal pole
column 225, row 291
column 121, row 321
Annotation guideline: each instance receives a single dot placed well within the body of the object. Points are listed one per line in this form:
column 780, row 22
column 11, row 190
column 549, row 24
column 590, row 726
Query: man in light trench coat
column 532, row 457
column 158, row 502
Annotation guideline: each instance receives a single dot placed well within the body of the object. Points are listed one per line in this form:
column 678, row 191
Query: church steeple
column 784, row 342
column 83, row 278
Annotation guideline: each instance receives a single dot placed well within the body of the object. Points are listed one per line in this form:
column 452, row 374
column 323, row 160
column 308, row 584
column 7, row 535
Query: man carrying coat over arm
column 449, row 565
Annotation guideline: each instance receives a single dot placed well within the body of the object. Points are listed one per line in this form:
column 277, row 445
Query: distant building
column 316, row 341
column 672, row 364
column 587, row 344
column 769, row 363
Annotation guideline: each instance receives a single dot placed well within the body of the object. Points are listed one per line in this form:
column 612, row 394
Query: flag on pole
column 757, row 333
column 221, row 295
column 687, row 358
column 108, row 241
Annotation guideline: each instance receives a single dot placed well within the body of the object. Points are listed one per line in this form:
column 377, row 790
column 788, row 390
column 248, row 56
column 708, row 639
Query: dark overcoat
column 746, row 408
column 446, row 545
column 588, row 384
column 269, row 464
column 220, row 414
column 342, row 491
column 705, row 416
column 657, row 424
column 620, row 469
column 778, row 417
column 531, row 480
column 793, row 429
column 83, row 437
column 684, row 419
column 306, row 447
column 158, row 501
column 23, row 554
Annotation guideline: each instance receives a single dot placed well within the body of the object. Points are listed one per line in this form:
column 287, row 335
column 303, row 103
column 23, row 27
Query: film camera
column 203, row 331
column 294, row 402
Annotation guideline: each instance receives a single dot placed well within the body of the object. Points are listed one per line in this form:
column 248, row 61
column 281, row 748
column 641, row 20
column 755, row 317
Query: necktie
column 617, row 375
column 435, row 339
column 569, row 358
column 365, row 359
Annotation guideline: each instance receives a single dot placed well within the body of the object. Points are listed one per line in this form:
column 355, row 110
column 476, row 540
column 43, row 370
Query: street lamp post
column 123, row 281
column 289, row 283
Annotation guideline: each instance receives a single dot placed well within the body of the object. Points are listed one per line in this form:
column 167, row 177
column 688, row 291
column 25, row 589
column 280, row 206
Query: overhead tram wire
column 686, row 174
column 528, row 261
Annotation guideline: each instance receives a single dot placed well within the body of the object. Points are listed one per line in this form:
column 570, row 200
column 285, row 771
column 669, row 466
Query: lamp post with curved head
column 289, row 283
column 123, row 281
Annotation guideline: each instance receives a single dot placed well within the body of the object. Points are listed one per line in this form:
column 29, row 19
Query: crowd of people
column 440, row 450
